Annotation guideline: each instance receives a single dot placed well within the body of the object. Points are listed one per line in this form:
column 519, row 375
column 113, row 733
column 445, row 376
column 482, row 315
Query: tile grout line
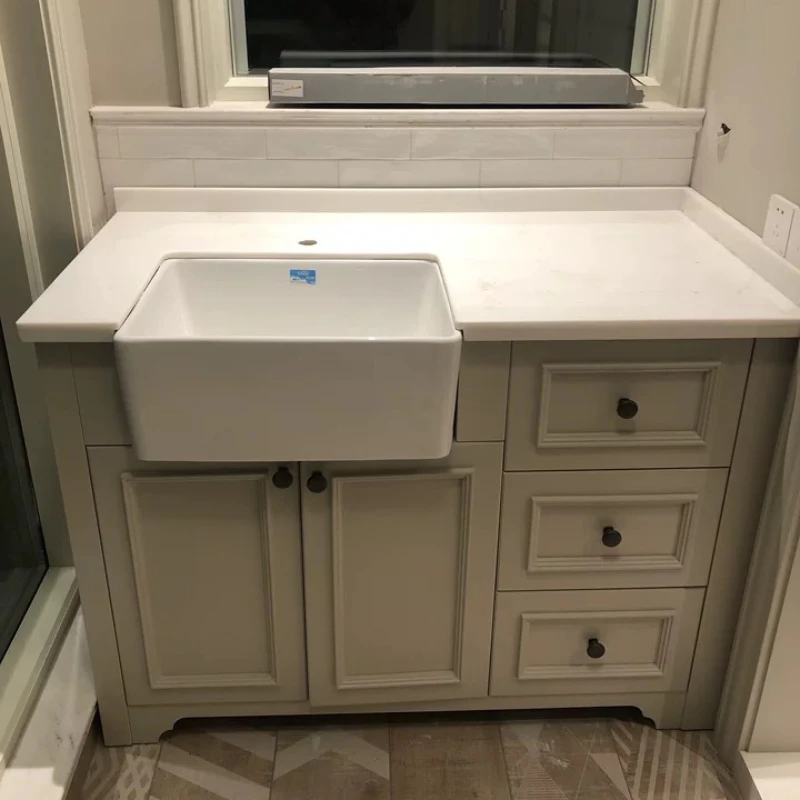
column 585, row 765
column 505, row 760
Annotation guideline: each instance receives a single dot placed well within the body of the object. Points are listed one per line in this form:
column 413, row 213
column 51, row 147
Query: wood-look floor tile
column 183, row 775
column 543, row 760
column 120, row 773
column 332, row 763
column 671, row 765
column 447, row 762
column 603, row 779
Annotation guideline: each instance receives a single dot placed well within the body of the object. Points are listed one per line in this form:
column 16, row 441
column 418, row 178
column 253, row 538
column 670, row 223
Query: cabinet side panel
column 76, row 487
column 763, row 407
column 99, row 394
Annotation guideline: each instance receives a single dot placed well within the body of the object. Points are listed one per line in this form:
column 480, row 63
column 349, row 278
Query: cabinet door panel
column 400, row 563
column 205, row 577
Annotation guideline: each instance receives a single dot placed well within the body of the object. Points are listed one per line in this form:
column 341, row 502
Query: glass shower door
column 22, row 557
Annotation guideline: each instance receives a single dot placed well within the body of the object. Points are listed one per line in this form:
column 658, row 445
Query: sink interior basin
column 280, row 300
column 271, row 359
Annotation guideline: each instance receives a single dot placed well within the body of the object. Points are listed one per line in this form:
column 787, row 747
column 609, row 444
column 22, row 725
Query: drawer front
column 613, row 529
column 618, row 405
column 630, row 640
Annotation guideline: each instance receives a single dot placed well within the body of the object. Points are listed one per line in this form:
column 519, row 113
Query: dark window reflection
column 487, row 32
column 22, row 559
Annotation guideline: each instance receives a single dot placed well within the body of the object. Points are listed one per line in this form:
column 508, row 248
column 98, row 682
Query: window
column 226, row 46
column 310, row 33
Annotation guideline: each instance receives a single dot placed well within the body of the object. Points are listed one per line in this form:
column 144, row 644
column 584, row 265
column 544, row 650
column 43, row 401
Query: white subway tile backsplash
column 269, row 172
column 551, row 172
column 107, row 142
column 439, row 174
column 312, row 156
column 657, row 172
column 192, row 142
column 146, row 172
column 338, row 143
column 624, row 142
column 442, row 143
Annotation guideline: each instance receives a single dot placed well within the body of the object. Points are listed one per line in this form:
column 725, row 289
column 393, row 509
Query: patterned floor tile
column 332, row 764
column 447, row 762
column 120, row 773
column 220, row 763
column 671, row 765
column 557, row 760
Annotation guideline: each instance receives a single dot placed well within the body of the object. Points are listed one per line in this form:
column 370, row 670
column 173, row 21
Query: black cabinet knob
column 627, row 408
column 283, row 478
column 611, row 537
column 595, row 649
column 317, row 483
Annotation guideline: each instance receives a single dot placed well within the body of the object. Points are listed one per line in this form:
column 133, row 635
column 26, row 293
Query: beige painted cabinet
column 206, row 580
column 631, row 476
column 400, row 567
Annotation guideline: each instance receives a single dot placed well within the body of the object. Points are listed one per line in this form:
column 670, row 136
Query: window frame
column 679, row 32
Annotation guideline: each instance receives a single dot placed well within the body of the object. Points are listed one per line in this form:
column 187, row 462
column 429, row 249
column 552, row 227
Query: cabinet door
column 204, row 570
column 400, row 567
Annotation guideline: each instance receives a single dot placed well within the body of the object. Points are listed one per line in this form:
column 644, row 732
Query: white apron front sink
column 290, row 360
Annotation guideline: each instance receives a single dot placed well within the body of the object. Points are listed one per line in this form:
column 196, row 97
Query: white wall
column 754, row 87
column 132, row 50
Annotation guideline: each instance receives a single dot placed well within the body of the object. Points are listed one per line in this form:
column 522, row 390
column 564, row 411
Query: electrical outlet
column 793, row 248
column 779, row 223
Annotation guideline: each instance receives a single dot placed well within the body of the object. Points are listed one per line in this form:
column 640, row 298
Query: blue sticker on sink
column 308, row 276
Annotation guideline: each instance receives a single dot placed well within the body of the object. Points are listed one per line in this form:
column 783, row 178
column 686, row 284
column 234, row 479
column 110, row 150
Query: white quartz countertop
column 518, row 264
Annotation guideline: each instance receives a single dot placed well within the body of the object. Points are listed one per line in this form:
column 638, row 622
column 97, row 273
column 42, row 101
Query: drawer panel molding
column 656, row 623
column 593, row 642
column 609, row 529
column 682, row 505
column 624, row 405
column 620, row 432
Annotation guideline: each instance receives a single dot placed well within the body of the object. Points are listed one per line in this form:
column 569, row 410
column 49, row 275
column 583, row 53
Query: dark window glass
column 22, row 557
column 307, row 33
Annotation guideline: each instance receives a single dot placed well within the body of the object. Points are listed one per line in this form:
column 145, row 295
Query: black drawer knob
column 317, row 483
column 627, row 408
column 283, row 478
column 611, row 537
column 595, row 649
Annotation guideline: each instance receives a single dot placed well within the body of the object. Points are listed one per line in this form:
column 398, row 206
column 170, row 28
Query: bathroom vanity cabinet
column 585, row 543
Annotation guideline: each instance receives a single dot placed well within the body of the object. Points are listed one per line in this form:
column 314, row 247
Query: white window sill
column 51, row 742
column 651, row 113
column 25, row 666
column 771, row 776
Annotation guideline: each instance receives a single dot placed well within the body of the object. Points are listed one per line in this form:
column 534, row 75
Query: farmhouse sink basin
column 290, row 360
